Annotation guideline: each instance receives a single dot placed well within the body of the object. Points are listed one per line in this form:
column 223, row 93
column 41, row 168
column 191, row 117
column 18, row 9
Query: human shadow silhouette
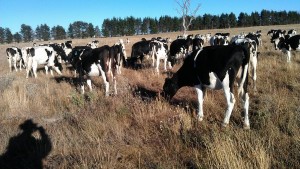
column 24, row 150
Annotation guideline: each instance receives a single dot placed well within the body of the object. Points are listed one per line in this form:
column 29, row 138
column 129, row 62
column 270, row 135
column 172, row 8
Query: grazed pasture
column 139, row 129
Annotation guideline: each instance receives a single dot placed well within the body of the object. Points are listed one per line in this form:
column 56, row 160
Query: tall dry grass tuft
column 140, row 129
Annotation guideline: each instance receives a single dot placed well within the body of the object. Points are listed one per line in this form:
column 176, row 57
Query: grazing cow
column 43, row 55
column 287, row 44
column 139, row 50
column 214, row 67
column 99, row 61
column 179, row 49
column 14, row 56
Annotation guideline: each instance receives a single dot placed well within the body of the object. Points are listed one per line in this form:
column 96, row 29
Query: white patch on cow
column 215, row 82
column 94, row 70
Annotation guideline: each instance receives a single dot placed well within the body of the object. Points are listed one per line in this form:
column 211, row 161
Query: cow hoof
column 200, row 118
column 224, row 124
column 246, row 127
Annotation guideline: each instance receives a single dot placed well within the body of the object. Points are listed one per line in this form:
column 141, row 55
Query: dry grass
column 137, row 129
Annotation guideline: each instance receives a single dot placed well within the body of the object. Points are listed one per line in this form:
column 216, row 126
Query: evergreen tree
column 97, row 32
column 224, row 21
column 91, row 30
column 70, row 31
column 232, row 20
column 8, row 36
column 27, row 33
column 17, row 37
column 2, row 35
column 145, row 25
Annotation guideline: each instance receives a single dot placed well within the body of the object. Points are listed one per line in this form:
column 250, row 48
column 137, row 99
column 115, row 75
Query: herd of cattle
column 226, row 61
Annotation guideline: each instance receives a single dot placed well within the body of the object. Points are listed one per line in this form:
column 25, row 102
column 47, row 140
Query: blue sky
column 13, row 13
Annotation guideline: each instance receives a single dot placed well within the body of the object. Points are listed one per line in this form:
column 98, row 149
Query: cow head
column 170, row 87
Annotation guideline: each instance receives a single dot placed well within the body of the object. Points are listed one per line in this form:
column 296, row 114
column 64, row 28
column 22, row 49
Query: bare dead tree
column 187, row 14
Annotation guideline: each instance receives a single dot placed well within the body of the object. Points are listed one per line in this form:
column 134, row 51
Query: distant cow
column 14, row 56
column 180, row 48
column 43, row 55
column 94, row 44
column 139, row 50
column 160, row 52
column 286, row 45
column 214, row 67
column 99, row 61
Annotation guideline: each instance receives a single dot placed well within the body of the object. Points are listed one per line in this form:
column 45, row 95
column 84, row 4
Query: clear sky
column 13, row 13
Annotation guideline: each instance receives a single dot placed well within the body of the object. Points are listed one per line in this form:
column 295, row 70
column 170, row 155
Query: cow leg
column 15, row 63
column 227, row 87
column 254, row 65
column 46, row 69
column 200, row 94
column 288, row 56
column 115, row 85
column 9, row 64
column 106, row 83
column 29, row 66
column 157, row 64
column 89, row 83
column 57, row 70
column 34, row 68
column 165, row 63
column 245, row 101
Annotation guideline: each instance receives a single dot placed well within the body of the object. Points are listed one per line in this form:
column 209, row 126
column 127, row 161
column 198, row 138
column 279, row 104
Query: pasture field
column 139, row 129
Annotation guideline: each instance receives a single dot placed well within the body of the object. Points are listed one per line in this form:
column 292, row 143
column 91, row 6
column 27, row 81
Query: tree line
column 134, row 26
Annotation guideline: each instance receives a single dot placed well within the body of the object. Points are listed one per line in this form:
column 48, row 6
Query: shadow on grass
column 25, row 150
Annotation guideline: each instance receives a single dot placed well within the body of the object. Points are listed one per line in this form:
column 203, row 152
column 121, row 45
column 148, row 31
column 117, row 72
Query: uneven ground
column 139, row 129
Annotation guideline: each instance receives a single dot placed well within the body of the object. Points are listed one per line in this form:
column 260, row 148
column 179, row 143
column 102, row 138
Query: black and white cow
column 99, row 61
column 94, row 44
column 118, row 55
column 14, row 56
column 139, row 50
column 74, row 57
column 219, row 39
column 253, row 56
column 214, row 67
column 159, row 52
column 43, row 55
column 179, row 49
column 286, row 45
column 67, row 47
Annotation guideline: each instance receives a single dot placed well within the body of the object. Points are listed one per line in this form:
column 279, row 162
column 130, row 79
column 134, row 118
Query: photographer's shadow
column 26, row 151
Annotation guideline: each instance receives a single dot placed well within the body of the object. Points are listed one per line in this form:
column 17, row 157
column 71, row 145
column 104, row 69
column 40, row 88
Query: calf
column 14, row 56
column 214, row 67
column 43, row 55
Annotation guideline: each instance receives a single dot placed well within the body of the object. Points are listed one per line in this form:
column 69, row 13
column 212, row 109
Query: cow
column 286, row 45
column 43, row 55
column 179, row 49
column 99, row 61
column 160, row 52
column 14, row 56
column 219, row 40
column 139, row 50
column 214, row 67
column 74, row 57
column 94, row 44
column 67, row 47
column 253, row 56
column 118, row 54
column 198, row 43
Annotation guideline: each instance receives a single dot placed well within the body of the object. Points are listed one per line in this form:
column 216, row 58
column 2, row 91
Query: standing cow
column 214, row 67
